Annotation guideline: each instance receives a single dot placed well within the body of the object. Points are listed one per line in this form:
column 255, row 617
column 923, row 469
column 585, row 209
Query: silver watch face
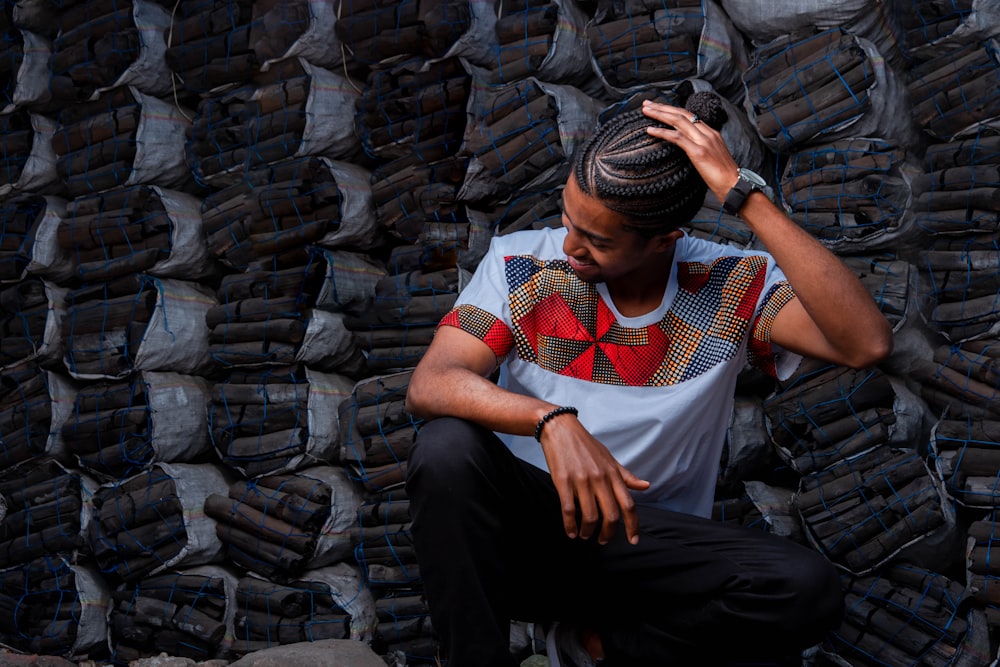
column 753, row 177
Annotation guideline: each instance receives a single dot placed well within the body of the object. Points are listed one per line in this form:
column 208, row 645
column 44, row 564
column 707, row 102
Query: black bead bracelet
column 564, row 410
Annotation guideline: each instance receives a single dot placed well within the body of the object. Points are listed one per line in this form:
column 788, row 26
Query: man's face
column 597, row 245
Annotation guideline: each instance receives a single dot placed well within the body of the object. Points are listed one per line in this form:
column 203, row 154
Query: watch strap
column 738, row 195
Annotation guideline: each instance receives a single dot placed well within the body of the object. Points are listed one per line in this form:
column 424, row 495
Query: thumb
column 631, row 481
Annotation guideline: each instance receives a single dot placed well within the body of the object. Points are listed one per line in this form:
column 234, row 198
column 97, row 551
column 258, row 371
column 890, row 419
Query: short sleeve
column 482, row 308
column 772, row 360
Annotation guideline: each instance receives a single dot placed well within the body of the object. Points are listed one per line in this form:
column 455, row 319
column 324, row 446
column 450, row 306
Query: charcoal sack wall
column 228, row 229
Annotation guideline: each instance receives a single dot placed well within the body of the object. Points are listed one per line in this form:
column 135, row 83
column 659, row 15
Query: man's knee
column 443, row 441
column 448, row 450
column 819, row 606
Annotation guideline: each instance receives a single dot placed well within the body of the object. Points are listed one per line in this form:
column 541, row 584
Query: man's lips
column 577, row 264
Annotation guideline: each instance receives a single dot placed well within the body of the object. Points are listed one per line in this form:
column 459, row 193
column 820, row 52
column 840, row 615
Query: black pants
column 491, row 547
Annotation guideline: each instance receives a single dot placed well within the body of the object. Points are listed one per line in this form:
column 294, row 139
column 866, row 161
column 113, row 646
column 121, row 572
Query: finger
column 589, row 515
column 627, row 503
column 611, row 512
column 630, row 517
column 631, row 481
column 680, row 119
column 567, row 503
column 617, row 505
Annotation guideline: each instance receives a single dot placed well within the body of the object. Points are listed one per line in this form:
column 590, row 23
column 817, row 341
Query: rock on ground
column 323, row 653
column 19, row 660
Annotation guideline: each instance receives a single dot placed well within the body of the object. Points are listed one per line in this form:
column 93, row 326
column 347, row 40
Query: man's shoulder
column 693, row 249
column 541, row 243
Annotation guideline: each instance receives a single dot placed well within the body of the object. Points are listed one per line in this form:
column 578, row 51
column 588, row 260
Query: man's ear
column 664, row 242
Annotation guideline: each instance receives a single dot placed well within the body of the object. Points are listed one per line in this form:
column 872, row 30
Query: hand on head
column 692, row 131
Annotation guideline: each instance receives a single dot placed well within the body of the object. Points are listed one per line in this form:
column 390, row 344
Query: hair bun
column 708, row 107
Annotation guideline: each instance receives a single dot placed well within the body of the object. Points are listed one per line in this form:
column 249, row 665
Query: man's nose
column 571, row 244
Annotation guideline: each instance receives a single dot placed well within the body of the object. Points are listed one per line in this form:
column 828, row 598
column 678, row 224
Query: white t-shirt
column 657, row 389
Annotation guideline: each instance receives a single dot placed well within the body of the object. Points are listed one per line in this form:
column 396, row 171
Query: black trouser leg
column 467, row 493
column 715, row 592
column 491, row 547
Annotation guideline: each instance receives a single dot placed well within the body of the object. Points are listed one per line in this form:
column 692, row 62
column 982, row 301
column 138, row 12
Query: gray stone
column 163, row 660
column 535, row 661
column 19, row 660
column 324, row 653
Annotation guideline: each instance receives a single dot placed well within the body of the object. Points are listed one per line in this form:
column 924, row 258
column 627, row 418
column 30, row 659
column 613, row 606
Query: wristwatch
column 748, row 182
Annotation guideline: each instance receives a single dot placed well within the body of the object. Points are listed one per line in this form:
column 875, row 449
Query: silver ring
column 695, row 119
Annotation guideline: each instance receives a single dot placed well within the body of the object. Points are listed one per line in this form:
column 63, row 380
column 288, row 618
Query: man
column 577, row 487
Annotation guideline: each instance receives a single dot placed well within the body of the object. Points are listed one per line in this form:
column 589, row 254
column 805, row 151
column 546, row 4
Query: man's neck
column 635, row 298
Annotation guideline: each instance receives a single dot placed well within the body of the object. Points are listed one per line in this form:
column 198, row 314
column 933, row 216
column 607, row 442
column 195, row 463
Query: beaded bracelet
column 564, row 410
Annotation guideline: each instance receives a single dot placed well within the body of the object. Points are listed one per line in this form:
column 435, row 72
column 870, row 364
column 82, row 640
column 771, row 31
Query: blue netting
column 925, row 21
column 903, row 617
column 96, row 48
column 385, row 549
column 959, row 279
column 376, row 431
column 25, row 413
column 647, row 41
column 533, row 210
column 252, row 126
column 956, row 192
column 830, row 415
column 271, row 614
column 106, row 324
column 45, row 503
column 888, row 280
column 740, row 511
column 276, row 208
column 517, row 139
column 387, row 555
column 956, row 89
column 17, row 219
column 984, row 564
column 262, row 316
column 861, row 511
column 210, row 43
column 258, row 420
column 414, row 111
column 801, row 87
column 42, row 607
column 849, row 189
column 960, row 382
column 120, row 231
column 11, row 55
column 272, row 525
column 180, row 614
column 966, row 440
column 397, row 329
column 374, row 31
column 139, row 526
column 16, row 136
column 24, row 313
column 968, row 455
column 714, row 224
column 95, row 143
column 410, row 197
column 110, row 430
column 404, row 625
column 270, row 319
column 524, row 38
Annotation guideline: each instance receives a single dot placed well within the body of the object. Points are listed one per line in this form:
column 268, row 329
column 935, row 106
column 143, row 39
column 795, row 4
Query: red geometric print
column 564, row 326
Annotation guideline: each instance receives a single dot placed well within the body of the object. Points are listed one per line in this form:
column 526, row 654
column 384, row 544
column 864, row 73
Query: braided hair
column 648, row 180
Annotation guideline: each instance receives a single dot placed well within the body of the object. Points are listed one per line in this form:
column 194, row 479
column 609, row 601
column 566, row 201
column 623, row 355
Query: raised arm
column 833, row 317
column 451, row 380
